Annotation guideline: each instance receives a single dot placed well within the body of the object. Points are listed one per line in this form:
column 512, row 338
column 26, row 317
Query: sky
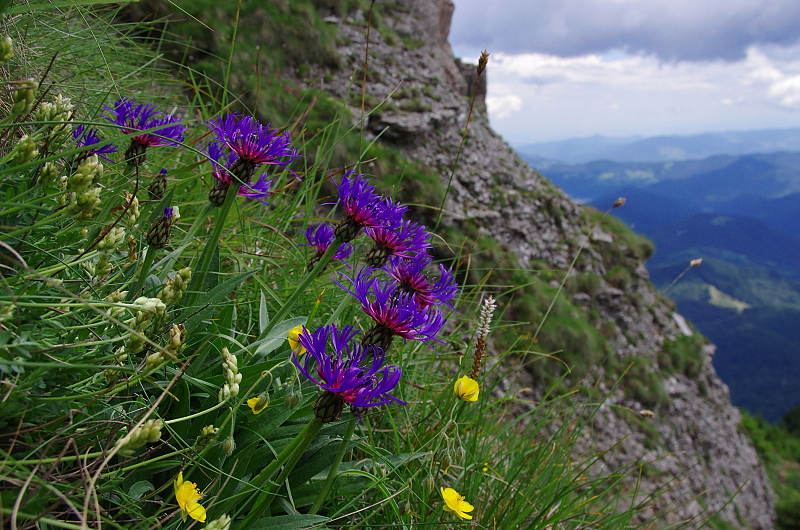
column 574, row 68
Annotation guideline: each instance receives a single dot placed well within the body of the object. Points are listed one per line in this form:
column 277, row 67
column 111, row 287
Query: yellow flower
column 294, row 343
column 466, row 388
column 453, row 502
column 258, row 404
column 187, row 495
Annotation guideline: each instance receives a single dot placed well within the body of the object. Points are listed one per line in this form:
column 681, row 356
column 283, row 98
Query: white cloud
column 537, row 97
column 503, row 106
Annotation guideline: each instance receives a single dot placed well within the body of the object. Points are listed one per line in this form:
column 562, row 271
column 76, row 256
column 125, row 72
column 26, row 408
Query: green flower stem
column 61, row 214
column 198, row 222
column 280, row 315
column 219, row 223
column 288, row 458
column 196, row 415
column 144, row 269
column 46, row 520
column 43, row 273
column 156, row 459
column 334, row 472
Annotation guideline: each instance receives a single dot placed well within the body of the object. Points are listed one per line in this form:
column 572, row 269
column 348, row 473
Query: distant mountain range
column 741, row 214
column 661, row 148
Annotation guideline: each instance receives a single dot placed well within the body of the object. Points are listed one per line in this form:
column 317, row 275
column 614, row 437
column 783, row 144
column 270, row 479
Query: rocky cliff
column 691, row 440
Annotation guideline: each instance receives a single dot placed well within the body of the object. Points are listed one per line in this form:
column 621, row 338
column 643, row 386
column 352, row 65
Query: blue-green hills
column 741, row 215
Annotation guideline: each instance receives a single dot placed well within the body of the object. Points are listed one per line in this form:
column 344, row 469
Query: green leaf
column 263, row 316
column 211, row 299
column 140, row 489
column 277, row 335
column 290, row 522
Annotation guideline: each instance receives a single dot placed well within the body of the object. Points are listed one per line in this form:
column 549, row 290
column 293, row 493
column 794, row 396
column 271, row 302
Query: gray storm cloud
column 670, row 29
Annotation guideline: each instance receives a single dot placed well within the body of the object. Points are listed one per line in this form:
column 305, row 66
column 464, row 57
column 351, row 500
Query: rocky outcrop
column 692, row 440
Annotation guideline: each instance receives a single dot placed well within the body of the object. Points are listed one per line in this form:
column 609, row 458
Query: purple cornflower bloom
column 134, row 118
column 223, row 163
column 253, row 144
column 395, row 313
column 409, row 240
column 411, row 278
column 320, row 238
column 352, row 373
column 89, row 137
column 364, row 208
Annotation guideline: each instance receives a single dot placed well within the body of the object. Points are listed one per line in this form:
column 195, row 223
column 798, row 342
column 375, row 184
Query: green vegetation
column 146, row 370
column 778, row 447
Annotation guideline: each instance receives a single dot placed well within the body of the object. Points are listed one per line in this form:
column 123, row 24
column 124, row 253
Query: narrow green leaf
column 277, row 335
column 263, row 316
column 290, row 522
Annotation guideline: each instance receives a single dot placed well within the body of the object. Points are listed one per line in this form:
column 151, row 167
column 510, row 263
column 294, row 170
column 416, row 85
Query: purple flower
column 223, row 163
column 395, row 313
column 411, row 278
column 258, row 190
column 87, row 137
column 252, row 142
column 408, row 240
column 320, row 238
column 350, row 372
column 142, row 117
column 364, row 208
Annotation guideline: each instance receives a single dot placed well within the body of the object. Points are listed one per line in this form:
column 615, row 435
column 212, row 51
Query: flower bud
column 208, row 435
column 6, row 49
column 222, row 523
column 228, row 447
column 48, row 173
column 112, row 240
column 149, row 431
column 24, row 98
column 175, row 286
column 291, row 400
column 7, row 311
column 158, row 235
column 133, row 211
column 89, row 171
column 158, row 187
column 26, row 150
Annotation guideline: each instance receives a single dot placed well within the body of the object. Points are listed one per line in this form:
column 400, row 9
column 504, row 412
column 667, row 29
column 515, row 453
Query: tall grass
column 131, row 363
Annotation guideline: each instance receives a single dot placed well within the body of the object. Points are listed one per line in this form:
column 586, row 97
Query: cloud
column 537, row 97
column 503, row 106
column 672, row 30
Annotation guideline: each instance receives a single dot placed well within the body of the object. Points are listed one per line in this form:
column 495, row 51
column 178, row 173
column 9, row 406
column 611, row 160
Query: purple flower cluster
column 250, row 144
column 351, row 373
column 363, row 208
column 396, row 312
column 133, row 118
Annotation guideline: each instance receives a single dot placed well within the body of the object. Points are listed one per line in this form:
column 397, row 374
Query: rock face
column 697, row 447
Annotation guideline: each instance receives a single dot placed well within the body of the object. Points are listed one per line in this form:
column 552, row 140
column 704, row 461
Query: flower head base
column 351, row 373
column 408, row 240
column 395, row 313
column 411, row 277
column 320, row 237
column 453, row 502
column 467, row 388
column 141, row 118
column 89, row 137
column 364, row 208
column 187, row 495
column 252, row 143
column 223, row 167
